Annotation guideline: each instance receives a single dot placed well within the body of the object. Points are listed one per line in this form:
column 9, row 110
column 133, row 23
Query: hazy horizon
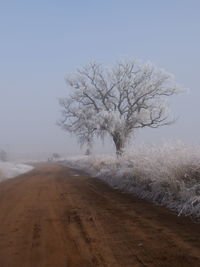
column 42, row 41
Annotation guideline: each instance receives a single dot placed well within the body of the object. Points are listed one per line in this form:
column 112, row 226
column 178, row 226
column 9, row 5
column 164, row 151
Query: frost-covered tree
column 116, row 101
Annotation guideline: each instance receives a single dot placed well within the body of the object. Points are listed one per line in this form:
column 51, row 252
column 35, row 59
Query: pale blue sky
column 40, row 41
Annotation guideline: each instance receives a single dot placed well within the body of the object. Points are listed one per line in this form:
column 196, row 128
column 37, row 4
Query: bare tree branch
column 116, row 101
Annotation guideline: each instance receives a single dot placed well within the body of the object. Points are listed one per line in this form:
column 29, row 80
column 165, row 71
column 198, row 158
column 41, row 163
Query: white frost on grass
column 10, row 169
column 167, row 175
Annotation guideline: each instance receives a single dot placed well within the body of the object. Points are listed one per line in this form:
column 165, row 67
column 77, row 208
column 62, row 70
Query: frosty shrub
column 167, row 175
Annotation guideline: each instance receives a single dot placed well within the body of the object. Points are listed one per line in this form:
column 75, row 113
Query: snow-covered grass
column 10, row 169
column 167, row 175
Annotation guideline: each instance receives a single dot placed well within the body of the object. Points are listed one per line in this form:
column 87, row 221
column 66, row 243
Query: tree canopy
column 116, row 101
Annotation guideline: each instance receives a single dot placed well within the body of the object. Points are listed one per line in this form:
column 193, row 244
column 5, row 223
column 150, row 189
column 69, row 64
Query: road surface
column 59, row 217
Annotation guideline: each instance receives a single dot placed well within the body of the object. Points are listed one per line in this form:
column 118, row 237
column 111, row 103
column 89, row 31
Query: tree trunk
column 119, row 144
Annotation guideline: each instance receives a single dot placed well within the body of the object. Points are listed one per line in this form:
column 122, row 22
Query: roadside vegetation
column 167, row 175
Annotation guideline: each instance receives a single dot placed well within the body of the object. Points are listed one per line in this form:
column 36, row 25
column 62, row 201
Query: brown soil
column 58, row 217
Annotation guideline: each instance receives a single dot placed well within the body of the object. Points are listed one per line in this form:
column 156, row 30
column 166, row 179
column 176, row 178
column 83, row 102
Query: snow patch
column 11, row 169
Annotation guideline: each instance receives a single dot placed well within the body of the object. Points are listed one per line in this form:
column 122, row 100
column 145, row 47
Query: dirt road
column 58, row 217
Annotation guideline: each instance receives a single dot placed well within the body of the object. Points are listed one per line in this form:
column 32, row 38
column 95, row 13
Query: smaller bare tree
column 3, row 155
column 55, row 155
column 116, row 101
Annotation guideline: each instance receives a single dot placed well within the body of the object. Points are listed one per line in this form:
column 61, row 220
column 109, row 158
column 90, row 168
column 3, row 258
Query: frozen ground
column 10, row 169
column 167, row 175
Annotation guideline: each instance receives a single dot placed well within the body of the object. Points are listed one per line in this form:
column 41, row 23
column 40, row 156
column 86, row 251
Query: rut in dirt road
column 58, row 217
